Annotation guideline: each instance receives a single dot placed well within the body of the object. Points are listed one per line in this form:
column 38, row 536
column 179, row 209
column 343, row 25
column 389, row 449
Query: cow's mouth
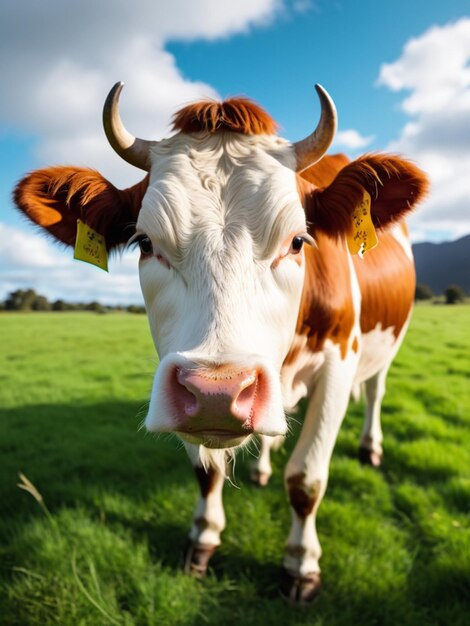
column 215, row 438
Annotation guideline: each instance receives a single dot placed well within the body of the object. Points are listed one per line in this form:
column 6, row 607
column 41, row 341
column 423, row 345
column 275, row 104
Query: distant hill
column 439, row 265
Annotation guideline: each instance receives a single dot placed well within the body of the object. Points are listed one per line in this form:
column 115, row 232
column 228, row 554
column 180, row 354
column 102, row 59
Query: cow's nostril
column 185, row 399
column 245, row 400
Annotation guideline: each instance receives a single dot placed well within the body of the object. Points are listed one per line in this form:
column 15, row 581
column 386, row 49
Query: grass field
column 104, row 545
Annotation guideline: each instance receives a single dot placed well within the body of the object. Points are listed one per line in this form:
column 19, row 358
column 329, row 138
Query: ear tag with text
column 362, row 236
column 90, row 246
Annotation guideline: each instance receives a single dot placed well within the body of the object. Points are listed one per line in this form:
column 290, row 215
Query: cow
column 253, row 297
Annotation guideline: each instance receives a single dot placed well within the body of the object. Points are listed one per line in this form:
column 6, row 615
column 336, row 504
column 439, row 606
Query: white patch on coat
column 399, row 235
column 378, row 349
column 298, row 376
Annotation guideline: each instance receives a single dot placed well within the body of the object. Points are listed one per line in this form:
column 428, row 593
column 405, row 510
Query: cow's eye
column 145, row 245
column 296, row 245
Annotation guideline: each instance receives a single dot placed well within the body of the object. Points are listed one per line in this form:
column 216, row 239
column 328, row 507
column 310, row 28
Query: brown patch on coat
column 238, row 115
column 296, row 552
column 302, row 497
column 355, row 345
column 326, row 309
column 387, row 281
column 324, row 172
column 206, row 479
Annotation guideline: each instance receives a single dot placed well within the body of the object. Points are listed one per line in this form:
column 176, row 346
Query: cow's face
column 221, row 232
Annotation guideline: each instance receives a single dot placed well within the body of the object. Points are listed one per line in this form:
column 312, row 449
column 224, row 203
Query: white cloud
column 435, row 71
column 64, row 57
column 352, row 139
column 434, row 67
column 30, row 260
column 154, row 90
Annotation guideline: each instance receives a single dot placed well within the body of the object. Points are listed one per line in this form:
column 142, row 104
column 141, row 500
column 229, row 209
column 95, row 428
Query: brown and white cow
column 246, row 318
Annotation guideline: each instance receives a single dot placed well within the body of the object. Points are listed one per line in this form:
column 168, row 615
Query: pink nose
column 222, row 400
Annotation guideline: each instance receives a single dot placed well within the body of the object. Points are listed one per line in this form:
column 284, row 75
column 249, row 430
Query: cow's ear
column 54, row 198
column 394, row 184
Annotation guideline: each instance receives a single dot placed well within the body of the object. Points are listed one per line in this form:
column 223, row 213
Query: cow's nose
column 221, row 398
column 216, row 403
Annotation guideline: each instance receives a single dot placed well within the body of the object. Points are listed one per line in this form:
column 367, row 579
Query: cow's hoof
column 369, row 457
column 196, row 558
column 300, row 590
column 261, row 479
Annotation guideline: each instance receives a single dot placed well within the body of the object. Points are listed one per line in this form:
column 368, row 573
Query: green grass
column 73, row 391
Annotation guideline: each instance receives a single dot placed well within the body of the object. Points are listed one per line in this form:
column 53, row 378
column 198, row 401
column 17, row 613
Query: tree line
column 29, row 300
column 453, row 294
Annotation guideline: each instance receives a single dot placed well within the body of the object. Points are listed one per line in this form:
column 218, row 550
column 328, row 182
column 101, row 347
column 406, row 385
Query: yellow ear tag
column 90, row 246
column 362, row 236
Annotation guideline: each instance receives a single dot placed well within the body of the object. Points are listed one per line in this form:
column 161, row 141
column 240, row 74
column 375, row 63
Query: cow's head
column 221, row 222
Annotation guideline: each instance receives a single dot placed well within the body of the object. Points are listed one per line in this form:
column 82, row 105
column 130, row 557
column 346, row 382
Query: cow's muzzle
column 215, row 403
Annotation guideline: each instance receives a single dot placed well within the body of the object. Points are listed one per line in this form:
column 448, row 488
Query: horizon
column 141, row 305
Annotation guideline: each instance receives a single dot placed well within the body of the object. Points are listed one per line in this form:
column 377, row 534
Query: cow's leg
column 356, row 393
column 261, row 469
column 208, row 521
column 306, row 477
column 370, row 450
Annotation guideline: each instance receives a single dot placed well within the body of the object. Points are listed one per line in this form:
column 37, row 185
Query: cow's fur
column 223, row 288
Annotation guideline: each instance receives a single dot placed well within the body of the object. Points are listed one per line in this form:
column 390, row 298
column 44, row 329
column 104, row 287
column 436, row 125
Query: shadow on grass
column 71, row 450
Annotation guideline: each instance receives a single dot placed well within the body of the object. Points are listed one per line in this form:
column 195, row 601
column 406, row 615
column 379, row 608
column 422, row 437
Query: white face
column 221, row 231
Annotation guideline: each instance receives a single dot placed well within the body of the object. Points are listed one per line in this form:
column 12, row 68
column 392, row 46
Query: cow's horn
column 311, row 149
column 133, row 150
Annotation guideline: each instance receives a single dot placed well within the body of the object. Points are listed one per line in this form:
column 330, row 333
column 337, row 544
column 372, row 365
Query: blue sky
column 399, row 72
column 340, row 44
